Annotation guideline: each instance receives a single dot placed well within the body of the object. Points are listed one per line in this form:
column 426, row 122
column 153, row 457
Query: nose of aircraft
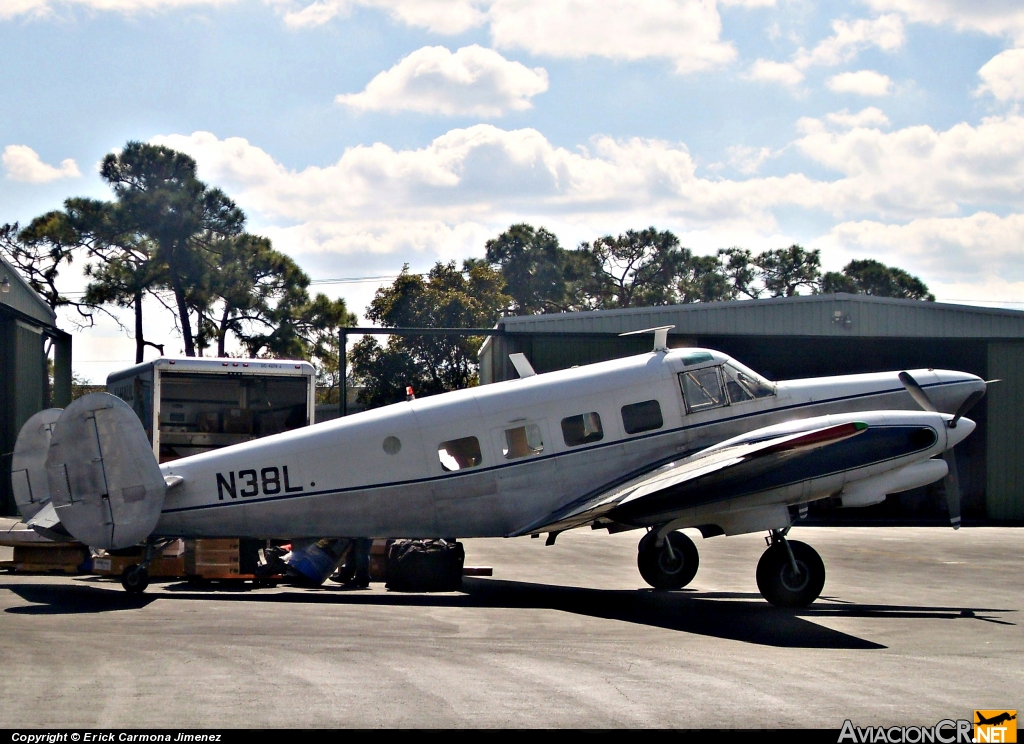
column 958, row 434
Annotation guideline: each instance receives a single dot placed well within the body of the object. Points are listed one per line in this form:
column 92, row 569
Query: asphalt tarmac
column 915, row 625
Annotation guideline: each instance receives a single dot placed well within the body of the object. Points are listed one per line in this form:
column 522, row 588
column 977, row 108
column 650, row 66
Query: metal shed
column 792, row 337
column 26, row 324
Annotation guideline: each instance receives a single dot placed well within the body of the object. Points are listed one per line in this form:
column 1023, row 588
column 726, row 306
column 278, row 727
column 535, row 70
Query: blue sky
column 364, row 134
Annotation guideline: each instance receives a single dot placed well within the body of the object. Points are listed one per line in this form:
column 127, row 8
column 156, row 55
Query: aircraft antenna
column 660, row 336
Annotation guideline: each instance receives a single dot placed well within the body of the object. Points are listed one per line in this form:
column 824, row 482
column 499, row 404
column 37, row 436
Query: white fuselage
column 342, row 479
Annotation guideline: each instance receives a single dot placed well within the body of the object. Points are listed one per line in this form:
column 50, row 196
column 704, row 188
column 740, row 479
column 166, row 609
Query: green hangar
column 28, row 336
column 818, row 335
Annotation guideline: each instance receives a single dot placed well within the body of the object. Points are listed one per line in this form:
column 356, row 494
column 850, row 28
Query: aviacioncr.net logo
column 946, row 731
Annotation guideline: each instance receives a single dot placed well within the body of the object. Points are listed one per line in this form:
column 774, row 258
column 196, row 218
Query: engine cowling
column 874, row 490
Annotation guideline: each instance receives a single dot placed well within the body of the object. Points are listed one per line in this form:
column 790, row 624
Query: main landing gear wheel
column 780, row 584
column 672, row 566
column 135, row 579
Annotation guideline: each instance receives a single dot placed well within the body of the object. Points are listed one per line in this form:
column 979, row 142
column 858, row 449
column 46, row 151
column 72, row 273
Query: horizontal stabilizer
column 105, row 484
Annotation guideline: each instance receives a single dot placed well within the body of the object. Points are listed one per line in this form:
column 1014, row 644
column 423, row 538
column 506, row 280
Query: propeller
column 951, row 483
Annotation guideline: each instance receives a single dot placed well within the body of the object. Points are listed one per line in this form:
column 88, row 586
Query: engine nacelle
column 874, row 490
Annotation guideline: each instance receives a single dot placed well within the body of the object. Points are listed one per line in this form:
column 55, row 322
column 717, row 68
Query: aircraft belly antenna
column 660, row 336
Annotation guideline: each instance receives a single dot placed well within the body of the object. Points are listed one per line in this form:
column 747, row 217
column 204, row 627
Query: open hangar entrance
column 822, row 335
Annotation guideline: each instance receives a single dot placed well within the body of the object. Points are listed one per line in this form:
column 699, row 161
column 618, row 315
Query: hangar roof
column 22, row 297
column 832, row 315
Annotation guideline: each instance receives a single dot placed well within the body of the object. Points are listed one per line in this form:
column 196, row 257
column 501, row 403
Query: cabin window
column 747, row 380
column 738, row 392
column 459, row 454
column 522, row 441
column 702, row 389
column 582, row 429
column 645, row 416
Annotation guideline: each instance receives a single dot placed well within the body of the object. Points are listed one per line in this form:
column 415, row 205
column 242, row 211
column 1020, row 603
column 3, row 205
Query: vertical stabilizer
column 28, row 463
column 105, row 484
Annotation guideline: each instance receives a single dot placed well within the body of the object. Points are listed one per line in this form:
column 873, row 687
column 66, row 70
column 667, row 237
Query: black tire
column 777, row 582
column 135, row 579
column 658, row 567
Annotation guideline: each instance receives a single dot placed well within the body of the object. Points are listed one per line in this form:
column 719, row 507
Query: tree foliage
column 540, row 275
column 870, row 277
column 169, row 237
column 445, row 298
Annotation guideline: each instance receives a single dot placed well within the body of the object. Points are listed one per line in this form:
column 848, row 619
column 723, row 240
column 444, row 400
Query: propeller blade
column 917, row 392
column 951, row 484
column 967, row 405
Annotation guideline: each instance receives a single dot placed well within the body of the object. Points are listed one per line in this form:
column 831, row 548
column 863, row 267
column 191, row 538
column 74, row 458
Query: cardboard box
column 50, row 557
column 160, row 567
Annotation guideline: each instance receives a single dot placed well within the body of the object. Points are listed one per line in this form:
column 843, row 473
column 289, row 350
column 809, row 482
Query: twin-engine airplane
column 662, row 441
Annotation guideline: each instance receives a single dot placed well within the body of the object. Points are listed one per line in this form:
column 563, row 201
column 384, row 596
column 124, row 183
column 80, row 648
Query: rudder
column 104, row 482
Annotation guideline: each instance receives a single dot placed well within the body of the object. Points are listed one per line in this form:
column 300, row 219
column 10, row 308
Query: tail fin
column 28, row 463
column 104, row 482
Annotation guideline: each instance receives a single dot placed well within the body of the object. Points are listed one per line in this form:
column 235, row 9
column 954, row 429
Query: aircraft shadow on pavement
column 730, row 615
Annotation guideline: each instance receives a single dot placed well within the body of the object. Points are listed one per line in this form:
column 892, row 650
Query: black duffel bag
column 425, row 566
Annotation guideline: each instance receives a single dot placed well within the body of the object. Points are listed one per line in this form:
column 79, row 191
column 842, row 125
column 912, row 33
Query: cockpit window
column 745, row 384
column 702, row 389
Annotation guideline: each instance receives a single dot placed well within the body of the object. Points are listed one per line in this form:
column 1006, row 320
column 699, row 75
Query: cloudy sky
column 364, row 134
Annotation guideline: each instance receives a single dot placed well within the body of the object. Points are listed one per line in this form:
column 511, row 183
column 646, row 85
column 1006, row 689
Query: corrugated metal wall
column 22, row 392
column 1005, row 441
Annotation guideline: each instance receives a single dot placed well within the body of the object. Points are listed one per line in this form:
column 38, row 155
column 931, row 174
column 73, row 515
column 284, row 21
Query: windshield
column 745, row 384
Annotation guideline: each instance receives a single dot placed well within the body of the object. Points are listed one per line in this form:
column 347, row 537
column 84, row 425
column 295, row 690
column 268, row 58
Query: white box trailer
column 190, row 405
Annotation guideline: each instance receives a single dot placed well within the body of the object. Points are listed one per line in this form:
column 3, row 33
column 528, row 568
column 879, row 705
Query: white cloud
column 768, row 71
column 377, row 206
column 439, row 16
column 993, row 17
column 863, row 83
column 486, row 175
column 956, row 250
column 23, row 164
column 918, row 171
column 850, row 37
column 868, row 117
column 847, row 40
column 433, row 80
column 748, row 160
column 687, row 32
column 13, row 8
column 1003, row 75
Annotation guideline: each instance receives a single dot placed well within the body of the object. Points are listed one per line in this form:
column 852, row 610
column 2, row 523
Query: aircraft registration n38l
column 672, row 439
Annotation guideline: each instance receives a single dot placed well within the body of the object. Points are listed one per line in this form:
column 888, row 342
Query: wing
column 752, row 455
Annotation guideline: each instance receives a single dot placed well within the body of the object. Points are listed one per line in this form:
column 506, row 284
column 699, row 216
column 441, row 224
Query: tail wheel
column 135, row 579
column 668, row 569
column 784, row 587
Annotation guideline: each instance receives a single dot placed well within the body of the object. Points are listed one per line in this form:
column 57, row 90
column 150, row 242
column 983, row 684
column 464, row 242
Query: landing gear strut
column 135, row 578
column 670, row 566
column 790, row 573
